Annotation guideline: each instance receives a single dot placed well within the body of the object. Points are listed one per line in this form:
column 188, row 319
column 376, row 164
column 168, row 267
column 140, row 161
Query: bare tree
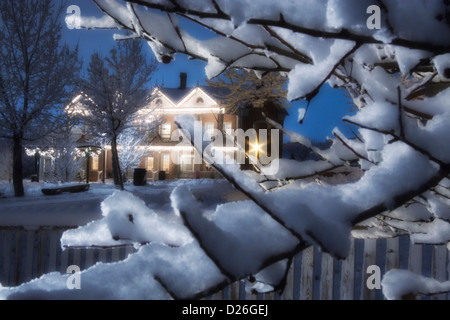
column 115, row 89
column 36, row 75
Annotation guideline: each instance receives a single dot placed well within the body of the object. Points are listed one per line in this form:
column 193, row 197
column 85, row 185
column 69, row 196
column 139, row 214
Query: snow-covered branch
column 313, row 47
column 283, row 16
column 405, row 285
column 398, row 78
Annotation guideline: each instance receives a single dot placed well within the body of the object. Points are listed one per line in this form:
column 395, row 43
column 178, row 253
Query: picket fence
column 27, row 254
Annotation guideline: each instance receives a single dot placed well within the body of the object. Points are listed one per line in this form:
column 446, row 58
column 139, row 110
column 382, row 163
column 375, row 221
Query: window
column 94, row 163
column 166, row 162
column 150, row 163
column 200, row 101
column 166, row 130
column 228, row 127
column 209, row 126
column 187, row 162
column 209, row 129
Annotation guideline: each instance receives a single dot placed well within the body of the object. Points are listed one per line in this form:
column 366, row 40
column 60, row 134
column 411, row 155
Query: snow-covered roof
column 176, row 95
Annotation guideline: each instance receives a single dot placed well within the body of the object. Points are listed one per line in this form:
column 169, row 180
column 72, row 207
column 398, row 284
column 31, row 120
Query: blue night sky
column 325, row 111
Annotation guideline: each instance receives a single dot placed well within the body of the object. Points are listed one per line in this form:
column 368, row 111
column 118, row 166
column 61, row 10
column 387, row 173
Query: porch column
column 105, row 154
column 37, row 164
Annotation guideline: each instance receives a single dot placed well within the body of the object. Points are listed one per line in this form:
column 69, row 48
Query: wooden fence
column 27, row 254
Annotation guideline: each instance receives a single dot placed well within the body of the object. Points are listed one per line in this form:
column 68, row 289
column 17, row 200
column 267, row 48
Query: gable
column 185, row 98
column 162, row 100
column 197, row 98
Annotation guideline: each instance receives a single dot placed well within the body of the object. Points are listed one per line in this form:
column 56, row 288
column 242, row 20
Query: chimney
column 183, row 79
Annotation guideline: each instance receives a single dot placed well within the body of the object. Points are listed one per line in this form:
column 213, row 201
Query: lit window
column 150, row 162
column 166, row 162
column 95, row 163
column 209, row 129
column 166, row 130
column 187, row 162
column 228, row 128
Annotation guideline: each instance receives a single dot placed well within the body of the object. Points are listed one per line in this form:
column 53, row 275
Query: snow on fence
column 27, row 254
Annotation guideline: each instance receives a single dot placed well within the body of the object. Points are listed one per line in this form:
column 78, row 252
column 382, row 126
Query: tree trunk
column 88, row 159
column 117, row 173
column 18, row 167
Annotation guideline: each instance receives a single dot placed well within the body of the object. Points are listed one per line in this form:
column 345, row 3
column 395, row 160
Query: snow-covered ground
column 146, row 217
column 76, row 209
column 108, row 216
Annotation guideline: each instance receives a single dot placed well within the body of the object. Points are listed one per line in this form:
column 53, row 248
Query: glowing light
column 256, row 148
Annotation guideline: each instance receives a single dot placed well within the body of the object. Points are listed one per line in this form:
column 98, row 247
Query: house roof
column 176, row 95
column 216, row 93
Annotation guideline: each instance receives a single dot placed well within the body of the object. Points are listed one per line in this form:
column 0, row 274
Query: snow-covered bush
column 67, row 161
column 131, row 151
column 398, row 77
column 64, row 157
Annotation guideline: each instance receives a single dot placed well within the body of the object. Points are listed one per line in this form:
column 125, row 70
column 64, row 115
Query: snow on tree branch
column 398, row 78
column 405, row 285
column 399, row 115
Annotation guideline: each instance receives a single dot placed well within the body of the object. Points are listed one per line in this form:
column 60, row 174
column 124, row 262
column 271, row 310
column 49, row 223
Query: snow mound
column 127, row 220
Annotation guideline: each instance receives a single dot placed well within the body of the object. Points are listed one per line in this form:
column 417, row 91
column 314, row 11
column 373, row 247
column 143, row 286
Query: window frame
column 95, row 162
column 190, row 163
column 147, row 163
column 229, row 130
column 166, row 130
column 165, row 157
